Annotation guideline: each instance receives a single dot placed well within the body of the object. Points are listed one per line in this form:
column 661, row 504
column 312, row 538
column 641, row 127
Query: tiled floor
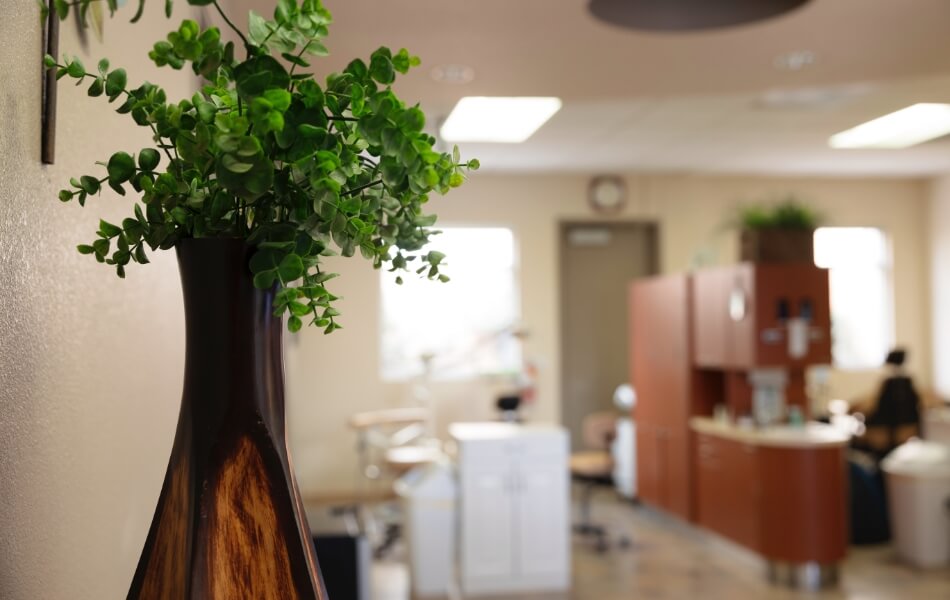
column 669, row 560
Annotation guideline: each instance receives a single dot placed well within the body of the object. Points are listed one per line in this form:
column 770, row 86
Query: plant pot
column 229, row 523
column 774, row 245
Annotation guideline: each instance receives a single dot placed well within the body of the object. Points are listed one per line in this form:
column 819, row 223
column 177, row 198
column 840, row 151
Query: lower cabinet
column 728, row 489
column 789, row 504
column 663, row 469
column 514, row 511
column 649, row 466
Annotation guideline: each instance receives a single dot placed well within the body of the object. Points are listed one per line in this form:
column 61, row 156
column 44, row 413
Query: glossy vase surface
column 229, row 522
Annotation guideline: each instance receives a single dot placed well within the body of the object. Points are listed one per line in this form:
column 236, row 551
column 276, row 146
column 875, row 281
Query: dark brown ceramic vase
column 229, row 523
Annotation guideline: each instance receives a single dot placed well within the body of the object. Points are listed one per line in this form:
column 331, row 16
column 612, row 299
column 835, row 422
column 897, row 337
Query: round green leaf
column 115, row 83
column 265, row 279
column 95, row 88
column 89, row 184
column 121, row 167
column 75, row 68
column 294, row 324
column 149, row 159
column 381, row 69
column 291, row 268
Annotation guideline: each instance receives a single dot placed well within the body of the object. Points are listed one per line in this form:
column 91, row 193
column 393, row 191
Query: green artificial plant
column 264, row 152
column 788, row 214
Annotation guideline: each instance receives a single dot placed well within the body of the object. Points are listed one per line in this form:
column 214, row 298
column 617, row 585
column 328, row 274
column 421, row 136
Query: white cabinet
column 486, row 545
column 514, row 507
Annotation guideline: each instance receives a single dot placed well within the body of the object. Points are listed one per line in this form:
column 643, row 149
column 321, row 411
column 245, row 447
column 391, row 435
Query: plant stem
column 272, row 32
column 299, row 54
column 360, row 188
column 247, row 44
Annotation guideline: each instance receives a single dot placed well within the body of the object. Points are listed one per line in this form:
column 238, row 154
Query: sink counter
column 811, row 435
column 780, row 491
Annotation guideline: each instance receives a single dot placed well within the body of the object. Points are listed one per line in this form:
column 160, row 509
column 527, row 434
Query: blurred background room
column 695, row 341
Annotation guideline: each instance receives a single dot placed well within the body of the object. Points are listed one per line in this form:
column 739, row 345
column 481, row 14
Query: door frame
column 652, row 225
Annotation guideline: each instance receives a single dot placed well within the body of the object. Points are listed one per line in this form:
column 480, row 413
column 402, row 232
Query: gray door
column 598, row 261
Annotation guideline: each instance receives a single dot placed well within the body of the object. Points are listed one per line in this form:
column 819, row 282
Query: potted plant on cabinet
column 783, row 233
column 252, row 181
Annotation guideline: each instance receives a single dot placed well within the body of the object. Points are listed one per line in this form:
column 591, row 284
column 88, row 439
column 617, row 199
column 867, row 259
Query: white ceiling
column 695, row 102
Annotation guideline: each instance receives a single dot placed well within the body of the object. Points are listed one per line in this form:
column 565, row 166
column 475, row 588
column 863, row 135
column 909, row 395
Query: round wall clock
column 607, row 194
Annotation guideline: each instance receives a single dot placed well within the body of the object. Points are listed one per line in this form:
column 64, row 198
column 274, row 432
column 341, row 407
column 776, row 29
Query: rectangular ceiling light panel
column 497, row 119
column 907, row 127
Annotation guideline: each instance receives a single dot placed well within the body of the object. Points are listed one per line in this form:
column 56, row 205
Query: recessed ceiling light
column 812, row 97
column 497, row 119
column 453, row 74
column 909, row 126
column 795, row 61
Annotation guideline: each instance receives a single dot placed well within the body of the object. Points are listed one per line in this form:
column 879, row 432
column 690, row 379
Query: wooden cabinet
column 693, row 340
column 649, row 468
column 740, row 315
column 722, row 317
column 728, row 489
column 514, row 508
column 662, row 376
column 804, row 504
column 786, row 503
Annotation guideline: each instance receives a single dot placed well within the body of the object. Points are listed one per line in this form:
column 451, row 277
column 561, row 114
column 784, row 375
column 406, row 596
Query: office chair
column 593, row 468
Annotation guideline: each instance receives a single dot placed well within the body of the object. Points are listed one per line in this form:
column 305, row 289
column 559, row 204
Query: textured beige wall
column 331, row 377
column 90, row 365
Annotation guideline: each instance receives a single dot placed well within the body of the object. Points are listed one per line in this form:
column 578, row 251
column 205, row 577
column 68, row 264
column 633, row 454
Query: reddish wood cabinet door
column 723, row 316
column 676, row 451
column 740, row 315
column 744, row 496
column 648, row 470
column 662, row 376
column 711, row 497
column 728, row 496
column 804, row 504
column 709, row 307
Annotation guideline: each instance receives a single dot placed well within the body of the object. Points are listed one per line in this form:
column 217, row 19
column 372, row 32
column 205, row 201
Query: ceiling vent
column 688, row 15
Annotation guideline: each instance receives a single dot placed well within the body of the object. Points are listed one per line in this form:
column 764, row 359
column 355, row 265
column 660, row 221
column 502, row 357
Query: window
column 466, row 324
column 858, row 259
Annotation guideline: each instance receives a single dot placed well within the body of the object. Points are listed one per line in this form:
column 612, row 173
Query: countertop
column 497, row 430
column 812, row 435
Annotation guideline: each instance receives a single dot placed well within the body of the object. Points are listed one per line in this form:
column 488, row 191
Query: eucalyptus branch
column 251, row 155
column 360, row 188
column 231, row 24
column 272, row 32
column 300, row 54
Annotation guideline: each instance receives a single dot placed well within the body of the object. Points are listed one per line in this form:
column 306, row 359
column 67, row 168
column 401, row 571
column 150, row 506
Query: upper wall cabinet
column 761, row 315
